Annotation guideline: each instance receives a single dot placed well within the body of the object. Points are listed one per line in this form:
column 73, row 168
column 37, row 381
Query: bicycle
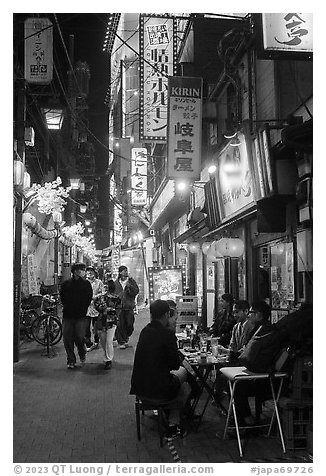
column 28, row 314
column 47, row 328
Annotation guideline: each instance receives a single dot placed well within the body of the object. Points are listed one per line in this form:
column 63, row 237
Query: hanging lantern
column 83, row 208
column 194, row 247
column 74, row 183
column 205, row 247
column 182, row 254
column 26, row 181
column 57, row 217
column 19, row 169
column 213, row 253
column 230, row 247
column 236, row 247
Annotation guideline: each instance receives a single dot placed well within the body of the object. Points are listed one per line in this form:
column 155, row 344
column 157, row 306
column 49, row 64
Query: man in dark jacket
column 127, row 289
column 156, row 372
column 76, row 295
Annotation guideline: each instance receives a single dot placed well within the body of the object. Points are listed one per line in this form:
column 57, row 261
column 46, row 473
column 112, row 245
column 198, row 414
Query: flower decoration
column 50, row 196
column 73, row 234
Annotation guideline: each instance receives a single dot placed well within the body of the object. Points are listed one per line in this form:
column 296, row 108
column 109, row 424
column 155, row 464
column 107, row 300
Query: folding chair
column 234, row 375
column 143, row 404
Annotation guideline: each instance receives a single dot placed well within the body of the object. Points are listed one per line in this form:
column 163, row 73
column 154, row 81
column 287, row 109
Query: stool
column 143, row 404
column 238, row 374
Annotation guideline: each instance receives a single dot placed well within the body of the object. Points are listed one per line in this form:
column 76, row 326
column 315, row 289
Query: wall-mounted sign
column 38, row 50
column 117, row 228
column 163, row 200
column 157, row 36
column 138, row 176
column 184, row 127
column 234, row 179
column 287, row 32
column 264, row 173
column 166, row 282
column 115, row 261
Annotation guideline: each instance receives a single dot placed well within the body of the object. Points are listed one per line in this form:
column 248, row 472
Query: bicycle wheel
column 26, row 321
column 47, row 326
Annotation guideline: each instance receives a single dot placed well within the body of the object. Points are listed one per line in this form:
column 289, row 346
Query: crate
column 296, row 416
column 187, row 309
column 302, row 377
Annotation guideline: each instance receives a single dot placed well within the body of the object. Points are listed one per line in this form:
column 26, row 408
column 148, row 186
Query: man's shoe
column 123, row 346
column 71, row 366
column 107, row 365
column 83, row 361
column 172, row 431
column 88, row 349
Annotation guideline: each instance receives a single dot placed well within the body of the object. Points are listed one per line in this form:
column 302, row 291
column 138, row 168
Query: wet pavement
column 86, row 415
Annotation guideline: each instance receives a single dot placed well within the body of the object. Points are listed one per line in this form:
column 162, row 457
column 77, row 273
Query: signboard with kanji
column 138, row 176
column 38, row 50
column 157, row 61
column 166, row 282
column 184, row 127
column 287, row 31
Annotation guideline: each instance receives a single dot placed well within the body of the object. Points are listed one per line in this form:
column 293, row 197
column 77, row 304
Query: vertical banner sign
column 287, row 32
column 157, row 50
column 115, row 257
column 117, row 224
column 138, row 176
column 38, row 50
column 184, row 127
column 31, row 276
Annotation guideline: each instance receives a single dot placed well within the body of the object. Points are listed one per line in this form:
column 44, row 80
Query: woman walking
column 106, row 305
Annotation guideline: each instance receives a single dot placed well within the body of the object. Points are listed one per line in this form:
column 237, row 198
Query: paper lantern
column 19, row 169
column 26, row 181
column 213, row 253
column 182, row 255
column 57, row 217
column 194, row 248
column 230, row 247
column 205, row 247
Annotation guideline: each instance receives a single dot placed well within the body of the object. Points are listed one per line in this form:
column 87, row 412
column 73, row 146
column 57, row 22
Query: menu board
column 166, row 282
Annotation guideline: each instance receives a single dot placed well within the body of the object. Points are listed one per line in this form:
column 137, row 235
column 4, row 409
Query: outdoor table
column 203, row 369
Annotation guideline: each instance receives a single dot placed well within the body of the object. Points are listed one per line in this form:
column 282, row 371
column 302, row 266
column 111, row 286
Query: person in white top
column 92, row 313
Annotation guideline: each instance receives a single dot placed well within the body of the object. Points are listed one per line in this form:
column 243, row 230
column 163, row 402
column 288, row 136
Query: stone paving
column 86, row 415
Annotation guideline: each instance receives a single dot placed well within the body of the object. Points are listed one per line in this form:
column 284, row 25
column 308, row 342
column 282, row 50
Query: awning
column 238, row 221
column 194, row 233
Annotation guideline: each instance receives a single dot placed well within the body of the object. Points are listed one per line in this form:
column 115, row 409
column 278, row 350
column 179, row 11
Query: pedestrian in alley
column 127, row 289
column 92, row 313
column 106, row 304
column 76, row 295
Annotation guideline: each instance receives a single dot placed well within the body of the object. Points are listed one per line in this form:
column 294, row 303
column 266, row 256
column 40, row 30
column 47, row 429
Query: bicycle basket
column 32, row 302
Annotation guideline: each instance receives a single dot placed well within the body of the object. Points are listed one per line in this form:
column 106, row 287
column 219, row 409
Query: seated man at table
column 242, row 330
column 157, row 373
column 260, row 313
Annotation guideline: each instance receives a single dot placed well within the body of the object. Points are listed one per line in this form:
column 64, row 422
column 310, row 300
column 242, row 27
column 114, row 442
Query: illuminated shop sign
column 38, row 50
column 139, row 176
column 287, row 32
column 234, row 179
column 157, row 62
column 184, row 127
column 166, row 282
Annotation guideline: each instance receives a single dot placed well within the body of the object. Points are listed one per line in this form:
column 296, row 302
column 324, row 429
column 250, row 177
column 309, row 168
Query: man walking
column 76, row 295
column 127, row 289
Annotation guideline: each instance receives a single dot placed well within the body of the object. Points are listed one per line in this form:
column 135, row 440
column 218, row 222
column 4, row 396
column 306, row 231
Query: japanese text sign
column 234, row 180
column 157, row 62
column 288, row 31
column 38, row 50
column 184, row 127
column 138, row 176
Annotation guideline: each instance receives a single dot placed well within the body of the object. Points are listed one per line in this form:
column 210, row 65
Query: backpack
column 263, row 349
